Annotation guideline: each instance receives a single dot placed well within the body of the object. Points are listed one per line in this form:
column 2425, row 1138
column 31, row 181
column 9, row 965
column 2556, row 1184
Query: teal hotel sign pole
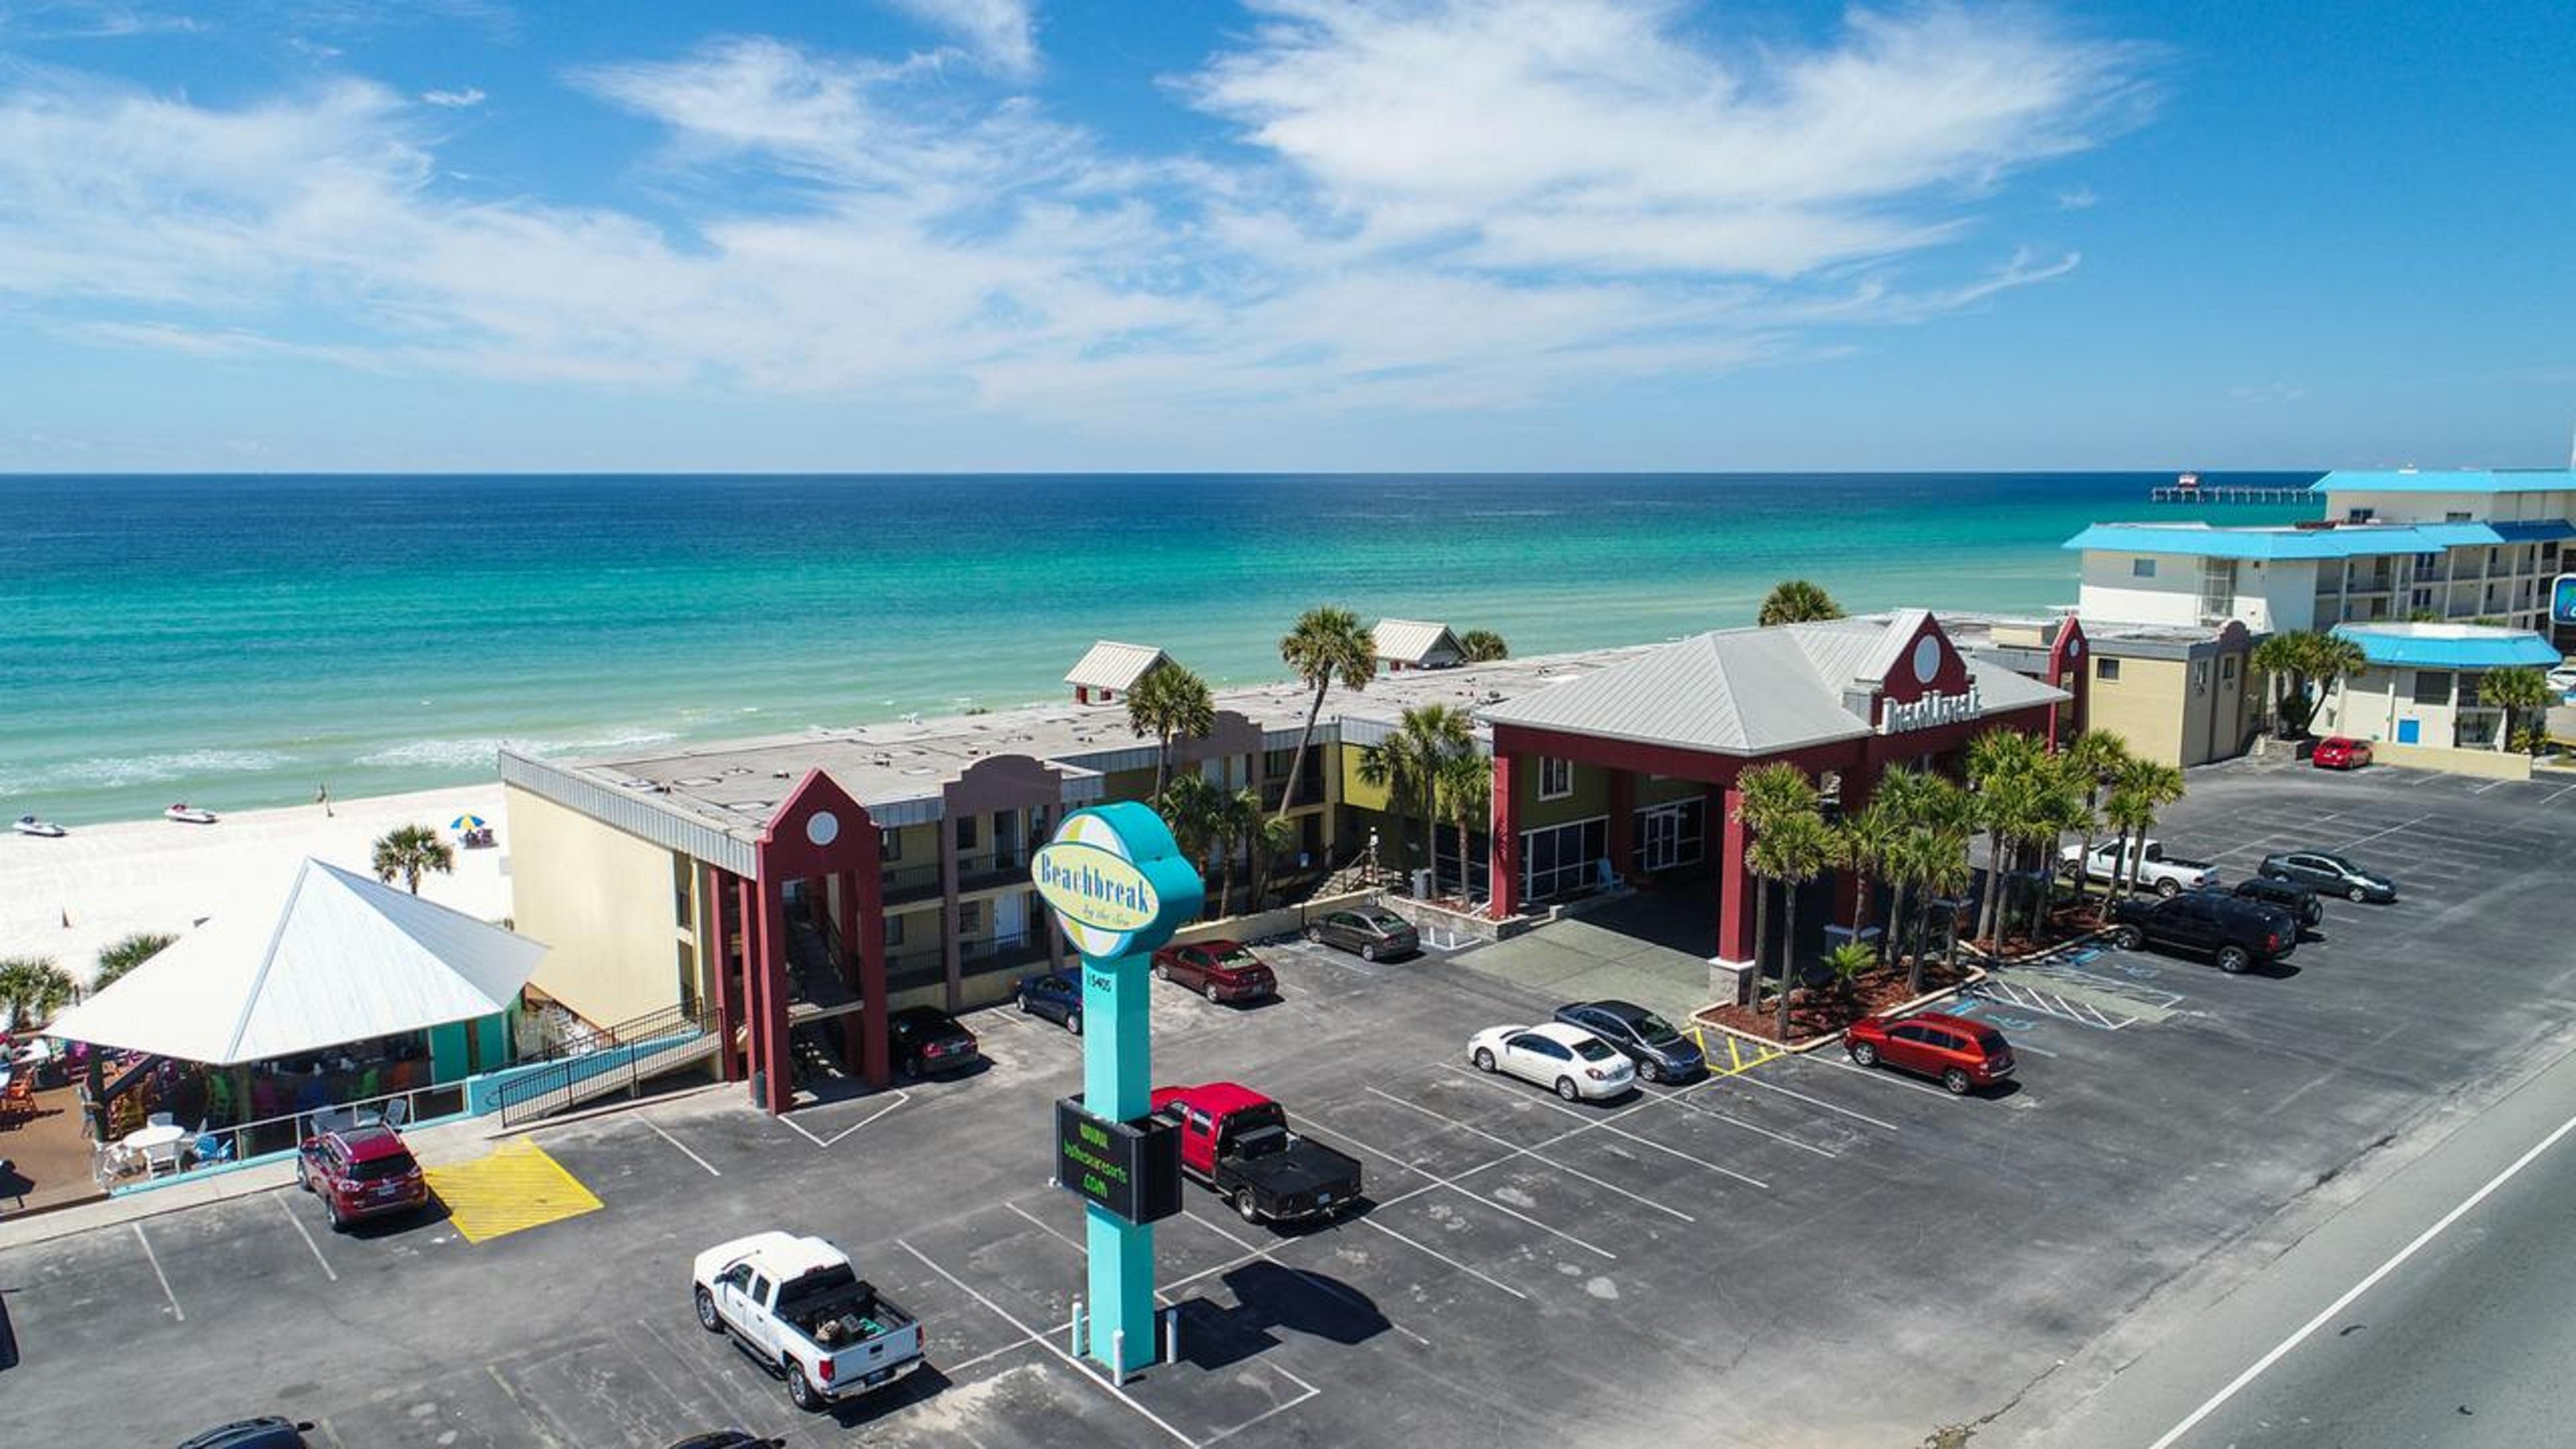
column 1120, row 886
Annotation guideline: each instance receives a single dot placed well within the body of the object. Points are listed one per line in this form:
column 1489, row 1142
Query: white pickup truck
column 802, row 1312
column 2166, row 875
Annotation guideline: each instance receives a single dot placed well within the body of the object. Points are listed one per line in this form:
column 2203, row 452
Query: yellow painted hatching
column 1739, row 1056
column 516, row 1188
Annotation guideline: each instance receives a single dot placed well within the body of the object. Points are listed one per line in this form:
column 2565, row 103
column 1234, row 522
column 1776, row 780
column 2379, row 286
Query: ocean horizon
column 240, row 640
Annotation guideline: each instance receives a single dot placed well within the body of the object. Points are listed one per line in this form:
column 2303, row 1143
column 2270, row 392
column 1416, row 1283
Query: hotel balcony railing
column 1000, row 867
column 2374, row 583
column 1310, row 791
column 916, row 968
column 1017, row 949
column 902, row 883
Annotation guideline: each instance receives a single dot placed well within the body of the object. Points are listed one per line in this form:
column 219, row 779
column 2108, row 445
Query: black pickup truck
column 2237, row 933
column 1238, row 1142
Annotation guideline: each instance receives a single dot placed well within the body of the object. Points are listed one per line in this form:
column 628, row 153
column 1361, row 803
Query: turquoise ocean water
column 237, row 641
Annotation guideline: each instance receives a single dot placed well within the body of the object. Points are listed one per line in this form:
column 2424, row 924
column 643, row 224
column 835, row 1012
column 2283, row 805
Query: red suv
column 360, row 1172
column 1964, row 1054
column 1219, row 970
column 2340, row 753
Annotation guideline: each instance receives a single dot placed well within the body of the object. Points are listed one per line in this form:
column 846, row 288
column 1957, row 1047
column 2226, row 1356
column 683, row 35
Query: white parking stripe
column 176, row 1311
column 1750, row 1080
column 1321, row 1282
column 1531, row 1153
column 2391, row 830
column 298, row 1224
column 1783, row 1137
column 1466, row 1192
column 1877, row 1076
column 1311, row 1391
column 1445, row 1258
column 684, row 1147
column 1610, row 1125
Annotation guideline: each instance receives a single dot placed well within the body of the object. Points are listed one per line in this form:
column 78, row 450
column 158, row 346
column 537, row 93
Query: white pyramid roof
column 338, row 957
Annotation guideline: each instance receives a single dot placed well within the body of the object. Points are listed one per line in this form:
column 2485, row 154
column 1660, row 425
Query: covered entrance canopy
column 338, row 958
column 1847, row 698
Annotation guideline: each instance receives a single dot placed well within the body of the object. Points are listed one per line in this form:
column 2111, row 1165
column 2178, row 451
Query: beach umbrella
column 466, row 822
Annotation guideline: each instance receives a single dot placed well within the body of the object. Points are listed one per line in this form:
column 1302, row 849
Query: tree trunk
column 1305, row 740
column 1162, row 765
column 1861, row 883
column 1761, row 930
column 1465, row 895
column 1895, row 921
column 1914, row 964
column 1994, row 886
column 1788, row 952
column 1225, row 887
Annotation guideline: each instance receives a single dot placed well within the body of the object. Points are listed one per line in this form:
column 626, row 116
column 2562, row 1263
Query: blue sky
column 1292, row 234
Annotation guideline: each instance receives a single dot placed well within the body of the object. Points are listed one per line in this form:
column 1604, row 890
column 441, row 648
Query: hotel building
column 796, row 888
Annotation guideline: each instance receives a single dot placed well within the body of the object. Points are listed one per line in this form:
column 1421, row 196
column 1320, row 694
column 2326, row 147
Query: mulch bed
column 1821, row 1011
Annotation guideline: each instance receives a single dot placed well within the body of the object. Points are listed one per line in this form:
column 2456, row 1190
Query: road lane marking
column 298, row 1224
column 176, row 1311
column 2331, row 1310
column 684, row 1147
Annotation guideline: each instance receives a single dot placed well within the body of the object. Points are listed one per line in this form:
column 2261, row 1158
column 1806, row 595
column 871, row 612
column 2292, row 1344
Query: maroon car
column 360, row 1172
column 1964, row 1054
column 1218, row 970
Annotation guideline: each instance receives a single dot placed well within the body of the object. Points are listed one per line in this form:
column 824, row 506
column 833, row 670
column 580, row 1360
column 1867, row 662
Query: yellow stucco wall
column 2144, row 706
column 603, row 901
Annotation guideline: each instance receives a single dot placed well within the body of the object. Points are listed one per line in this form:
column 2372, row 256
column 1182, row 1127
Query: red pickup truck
column 1237, row 1141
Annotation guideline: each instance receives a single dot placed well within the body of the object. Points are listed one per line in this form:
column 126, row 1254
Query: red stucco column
column 1504, row 861
column 845, row 916
column 1735, row 884
column 873, row 1060
column 717, row 952
column 746, row 898
column 1623, row 824
column 769, row 995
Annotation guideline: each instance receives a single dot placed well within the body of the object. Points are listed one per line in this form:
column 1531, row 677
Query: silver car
column 1373, row 931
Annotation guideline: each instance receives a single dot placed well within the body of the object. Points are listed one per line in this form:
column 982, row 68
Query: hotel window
column 2200, row 676
column 2456, row 515
column 2432, row 686
column 2468, row 690
column 2227, row 669
column 2359, row 515
column 2142, row 568
column 1555, row 778
column 970, row 917
column 1563, row 858
column 1672, row 835
column 965, row 832
column 894, row 932
column 2428, row 563
column 2106, row 669
column 889, row 846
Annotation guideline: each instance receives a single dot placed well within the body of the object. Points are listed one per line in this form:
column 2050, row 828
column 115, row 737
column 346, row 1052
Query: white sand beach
column 157, row 875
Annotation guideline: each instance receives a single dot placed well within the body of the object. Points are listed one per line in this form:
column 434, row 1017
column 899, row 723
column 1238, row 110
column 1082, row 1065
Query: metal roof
column 2449, row 646
column 2351, row 540
column 1112, row 665
column 1415, row 641
column 1750, row 691
column 2466, row 480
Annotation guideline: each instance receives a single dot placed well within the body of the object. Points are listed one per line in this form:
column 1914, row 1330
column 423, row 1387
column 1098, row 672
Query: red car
column 1964, row 1054
column 2339, row 753
column 1218, row 970
column 360, row 1172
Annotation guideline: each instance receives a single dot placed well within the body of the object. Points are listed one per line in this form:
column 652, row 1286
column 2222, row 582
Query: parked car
column 1238, row 1143
column 801, row 1311
column 1375, row 932
column 2562, row 680
column 1218, row 970
column 1572, row 1062
column 266, row 1432
column 1662, row 1054
column 2165, row 874
column 728, row 1439
column 360, row 1172
column 927, row 1041
column 1963, row 1054
column 2298, row 900
column 1055, row 995
column 2237, row 933
column 2327, row 874
column 2336, row 752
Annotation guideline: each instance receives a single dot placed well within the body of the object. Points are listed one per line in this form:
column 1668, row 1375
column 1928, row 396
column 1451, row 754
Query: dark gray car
column 1373, row 931
column 2329, row 874
column 1661, row 1052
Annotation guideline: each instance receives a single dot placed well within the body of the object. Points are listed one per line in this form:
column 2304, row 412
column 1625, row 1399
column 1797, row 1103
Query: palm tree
column 2141, row 788
column 1238, row 820
column 1847, row 961
column 125, row 955
column 1195, row 810
column 2521, row 693
column 1326, row 644
column 2065, row 804
column 1483, row 646
column 2001, row 766
column 1797, row 601
column 2096, row 757
column 410, row 852
column 1467, row 792
column 2298, row 659
column 1277, row 836
column 33, row 988
column 1861, row 844
column 1407, row 763
column 1791, row 851
column 1169, row 703
column 1770, row 793
column 1937, row 858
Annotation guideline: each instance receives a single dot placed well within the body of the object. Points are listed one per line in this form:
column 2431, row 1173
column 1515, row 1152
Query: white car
column 1568, row 1060
column 2562, row 680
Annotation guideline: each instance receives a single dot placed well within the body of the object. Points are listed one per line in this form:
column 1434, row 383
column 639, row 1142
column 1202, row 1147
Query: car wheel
column 1863, row 1053
column 339, row 1224
column 1368, row 953
column 1956, row 1081
column 2234, row 959
column 800, row 1390
column 707, row 1312
column 2358, row 895
column 2168, row 888
column 1073, row 1022
column 1650, row 1071
column 2128, row 938
column 1211, row 991
column 1314, row 936
column 1484, row 1060
column 1162, row 972
column 1243, row 1206
column 303, row 1179
column 912, row 1069
column 1565, row 1088
column 2315, row 914
column 1024, row 1003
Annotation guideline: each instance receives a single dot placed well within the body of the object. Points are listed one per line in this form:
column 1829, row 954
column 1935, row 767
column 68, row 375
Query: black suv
column 2333, row 875
column 2298, row 900
column 2238, row 933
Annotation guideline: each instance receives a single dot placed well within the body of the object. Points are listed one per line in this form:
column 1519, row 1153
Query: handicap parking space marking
column 514, row 1188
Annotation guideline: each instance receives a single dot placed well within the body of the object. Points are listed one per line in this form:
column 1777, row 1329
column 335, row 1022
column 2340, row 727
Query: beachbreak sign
column 1932, row 709
column 1116, row 880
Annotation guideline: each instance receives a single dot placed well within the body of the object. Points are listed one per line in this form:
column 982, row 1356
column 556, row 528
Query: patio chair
column 161, row 1155
column 210, row 1148
column 396, row 1113
column 161, row 1119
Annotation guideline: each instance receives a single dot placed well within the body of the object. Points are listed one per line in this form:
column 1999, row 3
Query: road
column 2433, row 1310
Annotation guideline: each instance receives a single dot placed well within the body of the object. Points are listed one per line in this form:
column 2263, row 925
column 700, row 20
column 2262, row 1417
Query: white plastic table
column 147, row 1140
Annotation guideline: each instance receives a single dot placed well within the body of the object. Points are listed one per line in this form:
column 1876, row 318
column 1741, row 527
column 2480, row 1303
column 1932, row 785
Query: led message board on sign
column 1131, row 1169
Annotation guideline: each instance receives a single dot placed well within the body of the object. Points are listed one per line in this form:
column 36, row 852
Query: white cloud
column 2077, row 198
column 460, row 100
column 1002, row 33
column 1579, row 197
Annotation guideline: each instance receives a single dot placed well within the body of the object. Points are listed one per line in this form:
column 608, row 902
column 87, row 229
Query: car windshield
column 1655, row 1029
column 1385, row 921
column 1593, row 1049
column 1991, row 1041
column 381, row 1168
column 1238, row 958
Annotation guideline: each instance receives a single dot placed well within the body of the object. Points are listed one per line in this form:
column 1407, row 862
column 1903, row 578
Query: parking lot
column 1799, row 1252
